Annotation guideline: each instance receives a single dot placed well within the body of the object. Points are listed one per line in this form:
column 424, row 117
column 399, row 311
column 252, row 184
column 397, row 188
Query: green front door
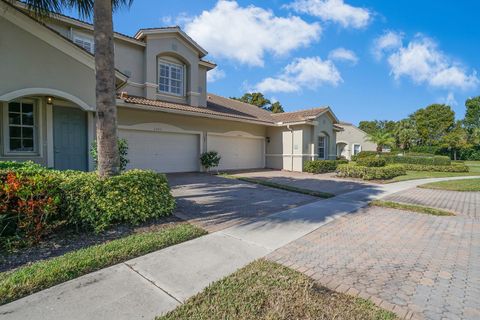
column 70, row 138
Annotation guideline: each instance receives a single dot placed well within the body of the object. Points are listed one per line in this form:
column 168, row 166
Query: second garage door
column 162, row 151
column 237, row 152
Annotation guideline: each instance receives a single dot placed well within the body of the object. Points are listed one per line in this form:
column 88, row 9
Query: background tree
column 433, row 123
column 455, row 139
column 102, row 10
column 259, row 100
column 377, row 125
column 381, row 139
column 471, row 121
column 405, row 134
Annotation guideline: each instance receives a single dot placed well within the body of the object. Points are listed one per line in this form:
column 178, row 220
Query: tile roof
column 225, row 107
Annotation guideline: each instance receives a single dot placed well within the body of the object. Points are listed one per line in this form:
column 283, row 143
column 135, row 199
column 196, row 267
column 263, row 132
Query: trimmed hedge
column 372, row 162
column 429, row 161
column 370, row 173
column 451, row 168
column 35, row 201
column 322, row 166
column 364, row 154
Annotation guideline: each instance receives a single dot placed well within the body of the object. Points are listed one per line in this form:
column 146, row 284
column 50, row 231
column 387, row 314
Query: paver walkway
column 463, row 203
column 413, row 264
column 158, row 282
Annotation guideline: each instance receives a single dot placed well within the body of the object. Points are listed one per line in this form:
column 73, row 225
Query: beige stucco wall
column 282, row 152
column 353, row 135
column 325, row 128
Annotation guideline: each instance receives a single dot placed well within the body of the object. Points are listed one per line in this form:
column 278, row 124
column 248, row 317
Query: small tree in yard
column 210, row 159
column 381, row 139
column 455, row 140
column 122, row 151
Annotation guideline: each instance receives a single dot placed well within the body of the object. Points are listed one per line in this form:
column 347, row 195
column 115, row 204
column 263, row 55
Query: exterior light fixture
column 49, row 100
column 268, row 139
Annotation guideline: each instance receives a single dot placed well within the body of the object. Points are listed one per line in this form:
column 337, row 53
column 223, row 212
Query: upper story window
column 84, row 42
column 170, row 78
column 21, row 126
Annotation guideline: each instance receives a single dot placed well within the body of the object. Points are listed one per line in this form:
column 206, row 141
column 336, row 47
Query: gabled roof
column 173, row 29
column 221, row 107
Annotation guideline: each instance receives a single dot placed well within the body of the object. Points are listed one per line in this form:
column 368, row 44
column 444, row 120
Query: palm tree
column 381, row 139
column 102, row 10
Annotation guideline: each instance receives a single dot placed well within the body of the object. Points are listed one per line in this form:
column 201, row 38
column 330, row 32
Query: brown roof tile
column 298, row 115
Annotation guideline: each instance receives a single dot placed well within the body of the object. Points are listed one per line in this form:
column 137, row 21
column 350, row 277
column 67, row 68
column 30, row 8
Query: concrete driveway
column 317, row 182
column 216, row 203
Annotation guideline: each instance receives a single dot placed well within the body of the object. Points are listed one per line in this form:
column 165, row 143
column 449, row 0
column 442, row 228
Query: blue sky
column 367, row 59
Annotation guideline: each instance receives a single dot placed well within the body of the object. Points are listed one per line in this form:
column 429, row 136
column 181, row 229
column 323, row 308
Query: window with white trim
column 170, row 78
column 21, row 126
column 321, row 147
column 356, row 149
column 85, row 42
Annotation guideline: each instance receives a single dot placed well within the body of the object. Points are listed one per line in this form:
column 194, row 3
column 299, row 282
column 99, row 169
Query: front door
column 70, row 138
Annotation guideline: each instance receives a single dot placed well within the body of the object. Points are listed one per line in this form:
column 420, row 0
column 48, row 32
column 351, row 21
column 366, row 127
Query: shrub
column 370, row 173
column 322, row 166
column 122, row 151
column 431, row 168
column 132, row 197
column 431, row 161
column 29, row 204
column 372, row 162
column 210, row 159
column 364, row 154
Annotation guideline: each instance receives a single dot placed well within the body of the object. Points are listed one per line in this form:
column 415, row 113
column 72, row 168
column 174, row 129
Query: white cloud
column 215, row 75
column 302, row 73
column 450, row 99
column 333, row 10
column 246, row 34
column 423, row 62
column 342, row 54
column 390, row 40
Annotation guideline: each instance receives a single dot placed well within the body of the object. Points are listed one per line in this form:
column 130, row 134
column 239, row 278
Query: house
column 351, row 140
column 47, row 99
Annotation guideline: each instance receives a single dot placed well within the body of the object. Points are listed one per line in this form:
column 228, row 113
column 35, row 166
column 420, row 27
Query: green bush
column 364, row 154
column 322, row 166
column 372, row 162
column 431, row 168
column 122, row 152
column 210, row 159
column 430, row 161
column 370, row 173
column 131, row 197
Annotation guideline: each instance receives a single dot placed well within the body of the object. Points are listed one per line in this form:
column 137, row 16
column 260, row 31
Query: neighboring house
column 47, row 99
column 351, row 140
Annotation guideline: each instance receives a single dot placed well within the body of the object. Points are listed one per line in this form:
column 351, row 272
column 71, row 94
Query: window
column 21, row 126
column 356, row 149
column 85, row 42
column 170, row 78
column 321, row 147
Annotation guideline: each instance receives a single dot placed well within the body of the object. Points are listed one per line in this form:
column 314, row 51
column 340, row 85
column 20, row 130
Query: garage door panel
column 162, row 151
column 237, row 152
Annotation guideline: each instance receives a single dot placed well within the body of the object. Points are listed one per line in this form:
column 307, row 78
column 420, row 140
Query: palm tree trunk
column 108, row 156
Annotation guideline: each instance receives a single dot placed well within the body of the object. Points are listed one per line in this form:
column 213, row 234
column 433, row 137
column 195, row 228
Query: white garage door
column 237, row 152
column 162, row 151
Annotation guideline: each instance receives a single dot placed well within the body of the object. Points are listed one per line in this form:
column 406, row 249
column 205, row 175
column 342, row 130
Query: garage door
column 162, row 151
column 237, row 152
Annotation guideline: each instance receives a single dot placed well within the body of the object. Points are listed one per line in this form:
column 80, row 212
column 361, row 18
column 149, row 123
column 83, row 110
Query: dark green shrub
column 370, row 173
column 322, row 166
column 372, row 162
column 431, row 161
column 431, row 168
column 210, row 159
column 131, row 197
column 122, row 151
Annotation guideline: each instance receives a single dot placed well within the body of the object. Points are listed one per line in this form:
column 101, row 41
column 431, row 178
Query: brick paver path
column 462, row 203
column 417, row 265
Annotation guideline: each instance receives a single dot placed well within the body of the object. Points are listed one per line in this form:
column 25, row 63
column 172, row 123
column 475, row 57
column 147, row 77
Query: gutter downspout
column 291, row 153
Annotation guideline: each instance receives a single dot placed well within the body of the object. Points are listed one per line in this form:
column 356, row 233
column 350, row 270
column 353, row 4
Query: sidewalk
column 156, row 283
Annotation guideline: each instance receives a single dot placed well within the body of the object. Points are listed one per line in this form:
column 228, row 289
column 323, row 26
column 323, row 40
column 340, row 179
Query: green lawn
column 412, row 175
column 455, row 185
column 44, row 274
column 266, row 290
column 270, row 184
column 411, row 207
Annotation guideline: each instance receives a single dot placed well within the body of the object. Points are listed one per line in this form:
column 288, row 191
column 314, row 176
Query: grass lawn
column 47, row 273
column 411, row 207
column 266, row 290
column 456, row 185
column 324, row 195
column 412, row 175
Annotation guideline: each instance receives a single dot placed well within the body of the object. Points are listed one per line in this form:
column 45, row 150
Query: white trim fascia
column 287, row 155
column 207, row 64
column 191, row 93
column 284, row 124
column 236, row 134
column 121, row 103
column 143, row 32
